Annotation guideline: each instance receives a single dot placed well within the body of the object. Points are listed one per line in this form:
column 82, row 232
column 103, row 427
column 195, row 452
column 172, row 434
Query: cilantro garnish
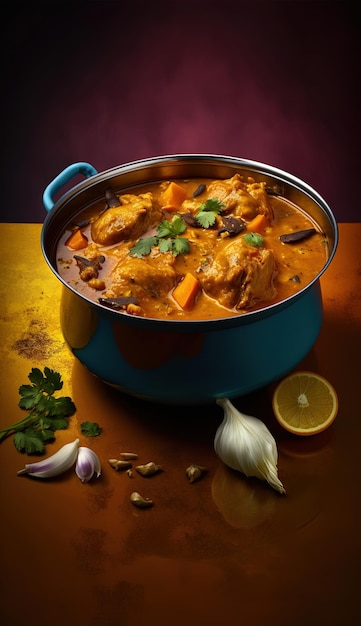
column 90, row 429
column 176, row 226
column 254, row 239
column 144, row 246
column 46, row 413
column 167, row 239
column 207, row 212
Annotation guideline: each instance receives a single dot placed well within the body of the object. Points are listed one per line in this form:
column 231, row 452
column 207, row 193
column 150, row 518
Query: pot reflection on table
column 243, row 502
column 247, row 503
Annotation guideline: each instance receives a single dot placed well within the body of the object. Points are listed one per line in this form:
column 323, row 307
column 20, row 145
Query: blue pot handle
column 63, row 178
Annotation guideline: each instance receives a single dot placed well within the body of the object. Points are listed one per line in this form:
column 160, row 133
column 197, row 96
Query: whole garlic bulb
column 245, row 444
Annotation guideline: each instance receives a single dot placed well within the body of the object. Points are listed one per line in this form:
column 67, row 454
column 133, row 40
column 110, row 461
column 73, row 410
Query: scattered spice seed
column 119, row 465
column 139, row 501
column 149, row 469
column 194, row 472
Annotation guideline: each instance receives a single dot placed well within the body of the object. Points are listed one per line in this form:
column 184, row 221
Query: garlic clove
column 87, row 464
column 245, row 444
column 55, row 464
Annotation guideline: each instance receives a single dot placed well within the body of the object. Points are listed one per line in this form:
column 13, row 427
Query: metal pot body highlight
column 185, row 362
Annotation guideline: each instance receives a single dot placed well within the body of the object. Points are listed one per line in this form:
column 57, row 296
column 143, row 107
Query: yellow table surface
column 223, row 550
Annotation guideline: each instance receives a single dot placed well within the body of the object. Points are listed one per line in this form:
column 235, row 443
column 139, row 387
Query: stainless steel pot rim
column 211, row 159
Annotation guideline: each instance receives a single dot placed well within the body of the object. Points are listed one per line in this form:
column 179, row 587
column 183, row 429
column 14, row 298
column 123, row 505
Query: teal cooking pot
column 185, row 362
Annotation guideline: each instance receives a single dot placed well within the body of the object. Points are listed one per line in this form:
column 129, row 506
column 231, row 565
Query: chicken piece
column 240, row 276
column 143, row 278
column 130, row 220
column 91, row 252
column 241, row 199
column 259, row 193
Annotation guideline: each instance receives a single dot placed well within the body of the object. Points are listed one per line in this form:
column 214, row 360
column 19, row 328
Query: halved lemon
column 305, row 403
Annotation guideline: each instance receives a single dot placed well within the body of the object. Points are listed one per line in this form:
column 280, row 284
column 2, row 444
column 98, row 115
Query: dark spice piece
column 200, row 189
column 83, row 262
column 295, row 278
column 191, row 220
column 298, row 236
column 111, row 199
column 82, row 224
column 274, row 191
column 117, row 303
column 232, row 226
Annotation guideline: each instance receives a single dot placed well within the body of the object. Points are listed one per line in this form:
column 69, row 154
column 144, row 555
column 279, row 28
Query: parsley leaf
column 60, row 407
column 90, row 429
column 29, row 439
column 176, row 226
column 206, row 219
column 46, row 413
column 165, row 245
column 143, row 246
column 29, row 397
column 166, row 238
column 254, row 239
column 180, row 246
column 207, row 212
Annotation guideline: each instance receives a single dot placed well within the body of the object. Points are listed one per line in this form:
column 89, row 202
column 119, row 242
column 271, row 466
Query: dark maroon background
column 111, row 82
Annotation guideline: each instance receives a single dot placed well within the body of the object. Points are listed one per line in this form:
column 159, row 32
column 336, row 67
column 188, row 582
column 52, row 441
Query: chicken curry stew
column 194, row 249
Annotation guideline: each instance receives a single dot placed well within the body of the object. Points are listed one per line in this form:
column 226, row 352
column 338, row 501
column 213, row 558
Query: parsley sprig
column 208, row 211
column 46, row 412
column 166, row 238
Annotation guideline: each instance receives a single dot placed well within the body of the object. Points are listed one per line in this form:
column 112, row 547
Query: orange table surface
column 223, row 550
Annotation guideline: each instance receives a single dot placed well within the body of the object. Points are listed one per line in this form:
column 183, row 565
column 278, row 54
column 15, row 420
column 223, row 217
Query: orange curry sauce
column 294, row 264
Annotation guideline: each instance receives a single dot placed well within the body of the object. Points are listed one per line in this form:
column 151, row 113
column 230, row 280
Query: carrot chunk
column 258, row 224
column 173, row 197
column 77, row 240
column 186, row 291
